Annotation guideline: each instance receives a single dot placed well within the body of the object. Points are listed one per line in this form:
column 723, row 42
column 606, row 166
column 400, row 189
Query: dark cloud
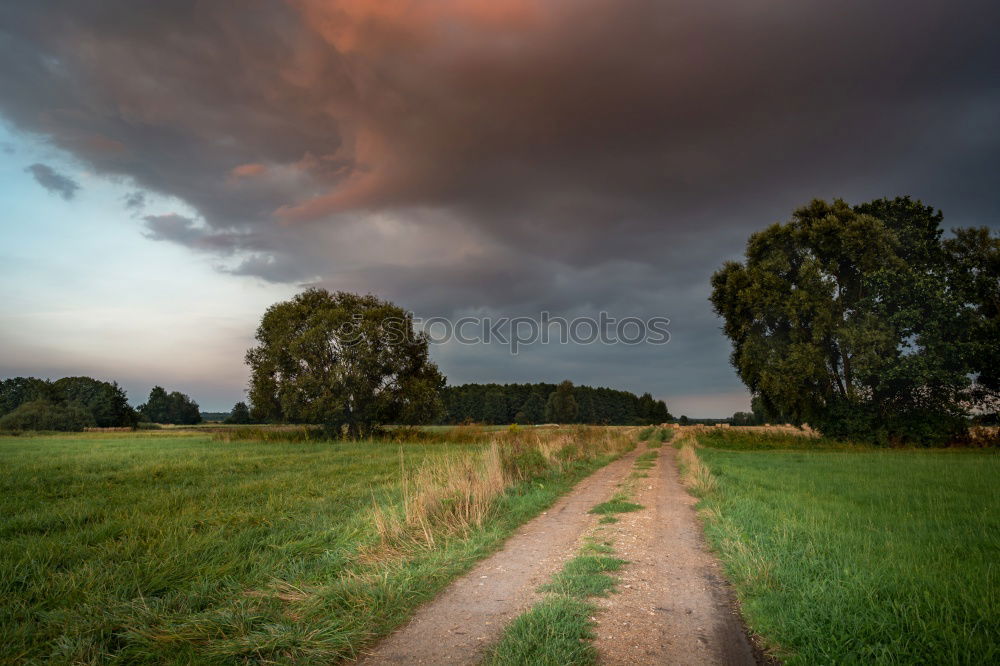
column 53, row 181
column 173, row 228
column 184, row 231
column 511, row 154
column 134, row 201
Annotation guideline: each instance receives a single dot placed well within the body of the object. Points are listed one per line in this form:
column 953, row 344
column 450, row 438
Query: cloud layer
column 512, row 155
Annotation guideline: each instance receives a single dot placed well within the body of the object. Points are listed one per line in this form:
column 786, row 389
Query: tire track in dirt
column 673, row 605
column 471, row 613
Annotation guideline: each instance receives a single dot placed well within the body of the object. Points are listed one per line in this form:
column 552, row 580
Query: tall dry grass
column 453, row 494
column 694, row 474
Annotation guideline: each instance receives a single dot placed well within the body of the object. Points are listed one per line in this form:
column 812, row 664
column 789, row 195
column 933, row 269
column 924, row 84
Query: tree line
column 75, row 403
column 549, row 403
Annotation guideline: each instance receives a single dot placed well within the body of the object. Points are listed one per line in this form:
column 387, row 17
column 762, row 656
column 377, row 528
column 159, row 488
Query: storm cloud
column 54, row 181
column 513, row 156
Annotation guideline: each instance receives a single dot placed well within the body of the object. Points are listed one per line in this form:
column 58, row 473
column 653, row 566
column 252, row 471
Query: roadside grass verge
column 860, row 556
column 173, row 547
column 694, row 474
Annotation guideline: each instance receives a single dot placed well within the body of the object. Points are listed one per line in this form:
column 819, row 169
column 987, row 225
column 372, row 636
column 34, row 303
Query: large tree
column 345, row 361
column 857, row 319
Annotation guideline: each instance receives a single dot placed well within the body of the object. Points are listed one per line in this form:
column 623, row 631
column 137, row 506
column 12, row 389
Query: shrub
column 522, row 460
column 45, row 415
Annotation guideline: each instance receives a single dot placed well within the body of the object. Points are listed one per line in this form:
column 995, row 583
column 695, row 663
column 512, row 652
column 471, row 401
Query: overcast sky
column 169, row 169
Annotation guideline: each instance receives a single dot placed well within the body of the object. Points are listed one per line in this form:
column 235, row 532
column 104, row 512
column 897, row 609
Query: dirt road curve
column 673, row 605
column 471, row 613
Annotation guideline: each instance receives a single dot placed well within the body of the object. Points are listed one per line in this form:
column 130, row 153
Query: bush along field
column 177, row 546
column 846, row 554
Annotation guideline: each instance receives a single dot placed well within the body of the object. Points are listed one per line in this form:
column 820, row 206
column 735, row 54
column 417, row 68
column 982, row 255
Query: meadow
column 182, row 546
column 846, row 554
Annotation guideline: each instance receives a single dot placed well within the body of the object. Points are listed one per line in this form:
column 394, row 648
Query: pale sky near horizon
column 168, row 170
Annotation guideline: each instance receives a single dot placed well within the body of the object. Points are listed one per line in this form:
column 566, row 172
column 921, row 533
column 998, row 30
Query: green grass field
column 174, row 547
column 862, row 556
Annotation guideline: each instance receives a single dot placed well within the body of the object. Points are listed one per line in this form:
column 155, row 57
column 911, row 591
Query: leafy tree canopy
column 533, row 409
column 174, row 407
column 864, row 322
column 105, row 402
column 346, row 361
column 240, row 414
column 47, row 415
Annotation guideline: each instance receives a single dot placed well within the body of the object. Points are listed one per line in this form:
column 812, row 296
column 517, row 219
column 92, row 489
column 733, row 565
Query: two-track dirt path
column 673, row 605
column 471, row 613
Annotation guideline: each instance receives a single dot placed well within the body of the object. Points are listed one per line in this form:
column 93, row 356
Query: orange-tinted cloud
column 365, row 26
column 250, row 170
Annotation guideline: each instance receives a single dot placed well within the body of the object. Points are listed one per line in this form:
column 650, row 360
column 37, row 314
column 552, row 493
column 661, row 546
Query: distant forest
column 544, row 403
column 75, row 403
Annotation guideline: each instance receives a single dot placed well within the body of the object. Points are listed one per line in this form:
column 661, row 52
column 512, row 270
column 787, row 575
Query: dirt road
column 471, row 613
column 673, row 605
